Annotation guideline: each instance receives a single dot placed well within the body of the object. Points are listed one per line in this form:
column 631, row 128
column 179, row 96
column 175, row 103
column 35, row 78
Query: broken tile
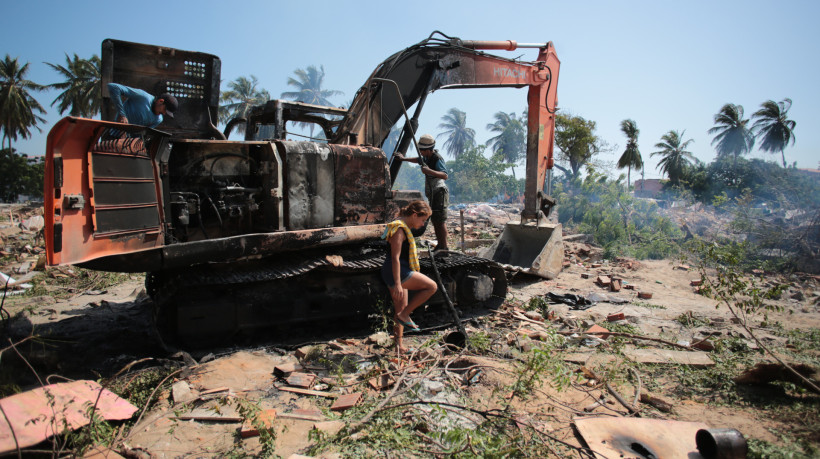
column 264, row 420
column 346, row 401
column 303, row 380
column 597, row 330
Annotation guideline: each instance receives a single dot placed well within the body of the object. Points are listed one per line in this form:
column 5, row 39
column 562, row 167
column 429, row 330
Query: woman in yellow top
column 400, row 270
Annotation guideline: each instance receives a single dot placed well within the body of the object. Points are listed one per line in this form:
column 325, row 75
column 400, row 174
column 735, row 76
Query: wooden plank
column 695, row 359
column 303, row 415
column 618, row 436
column 317, row 393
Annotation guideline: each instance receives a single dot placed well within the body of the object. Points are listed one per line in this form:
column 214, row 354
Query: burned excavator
column 239, row 235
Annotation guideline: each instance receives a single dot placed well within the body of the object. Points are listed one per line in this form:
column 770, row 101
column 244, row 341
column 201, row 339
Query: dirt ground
column 96, row 333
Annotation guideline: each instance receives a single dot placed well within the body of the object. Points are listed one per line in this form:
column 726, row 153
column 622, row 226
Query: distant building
column 650, row 188
column 810, row 173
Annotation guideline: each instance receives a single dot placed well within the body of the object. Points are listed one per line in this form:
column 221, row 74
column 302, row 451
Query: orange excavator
column 237, row 235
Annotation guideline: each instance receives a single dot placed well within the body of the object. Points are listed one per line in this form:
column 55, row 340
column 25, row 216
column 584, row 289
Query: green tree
column 18, row 109
column 82, row 88
column 308, row 83
column 772, row 126
column 20, row 176
column 632, row 156
column 474, row 177
column 733, row 137
column 576, row 142
column 511, row 141
column 459, row 136
column 675, row 156
column 242, row 94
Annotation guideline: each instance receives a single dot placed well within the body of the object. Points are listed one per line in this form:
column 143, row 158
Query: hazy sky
column 667, row 65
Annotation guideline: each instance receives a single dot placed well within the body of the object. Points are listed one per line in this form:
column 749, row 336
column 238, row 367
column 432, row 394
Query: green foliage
column 458, row 136
column 760, row 449
column 539, row 364
column 19, row 177
column 474, row 177
column 82, row 90
column 674, row 156
column 137, row 388
column 744, row 296
column 18, row 108
column 623, row 225
column 267, row 434
column 689, row 320
column 479, row 342
column 576, row 143
column 98, row 432
column 77, row 280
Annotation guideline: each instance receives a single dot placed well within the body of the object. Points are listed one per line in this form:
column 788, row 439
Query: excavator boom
column 451, row 63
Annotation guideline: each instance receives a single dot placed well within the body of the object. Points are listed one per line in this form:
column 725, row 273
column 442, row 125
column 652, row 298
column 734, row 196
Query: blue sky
column 667, row 65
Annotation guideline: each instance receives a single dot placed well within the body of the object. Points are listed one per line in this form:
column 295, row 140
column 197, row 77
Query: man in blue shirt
column 435, row 173
column 135, row 106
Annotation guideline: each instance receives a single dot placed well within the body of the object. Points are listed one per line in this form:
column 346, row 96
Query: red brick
column 303, row 380
column 603, row 281
column 615, row 317
column 584, row 276
column 615, row 285
column 596, row 265
column 265, row 419
column 645, row 295
column 346, row 401
column 629, row 287
column 695, row 283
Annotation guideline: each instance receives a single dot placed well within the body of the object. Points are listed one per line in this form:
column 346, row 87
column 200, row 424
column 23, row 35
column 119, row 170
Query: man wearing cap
column 435, row 173
column 135, row 106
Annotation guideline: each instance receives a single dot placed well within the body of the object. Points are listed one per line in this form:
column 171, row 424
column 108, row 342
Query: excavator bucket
column 538, row 249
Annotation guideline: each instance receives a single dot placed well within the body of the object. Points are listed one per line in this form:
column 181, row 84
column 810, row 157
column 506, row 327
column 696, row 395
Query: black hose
column 450, row 306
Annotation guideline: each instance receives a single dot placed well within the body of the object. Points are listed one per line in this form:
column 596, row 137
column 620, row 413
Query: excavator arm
column 442, row 62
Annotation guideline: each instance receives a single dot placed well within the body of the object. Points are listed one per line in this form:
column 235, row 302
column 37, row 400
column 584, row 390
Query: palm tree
column 82, row 90
column 242, row 94
column 733, row 137
column 17, row 106
column 675, row 157
column 773, row 127
column 459, row 136
column 632, row 156
column 308, row 84
column 511, row 141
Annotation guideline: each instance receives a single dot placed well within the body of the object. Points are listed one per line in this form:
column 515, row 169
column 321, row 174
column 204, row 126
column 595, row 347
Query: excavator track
column 214, row 303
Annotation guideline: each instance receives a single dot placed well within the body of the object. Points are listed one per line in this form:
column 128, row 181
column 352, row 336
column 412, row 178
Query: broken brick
column 286, row 369
column 381, row 382
column 629, row 287
column 346, row 402
column 645, row 295
column 695, row 282
column 302, row 352
column 615, row 317
column 584, row 276
column 683, row 267
column 596, row 265
column 597, row 330
column 615, row 285
column 603, row 281
column 263, row 420
column 303, row 380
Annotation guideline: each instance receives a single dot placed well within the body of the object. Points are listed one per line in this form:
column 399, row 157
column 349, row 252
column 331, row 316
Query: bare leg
column 441, row 235
column 399, row 328
column 422, row 287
